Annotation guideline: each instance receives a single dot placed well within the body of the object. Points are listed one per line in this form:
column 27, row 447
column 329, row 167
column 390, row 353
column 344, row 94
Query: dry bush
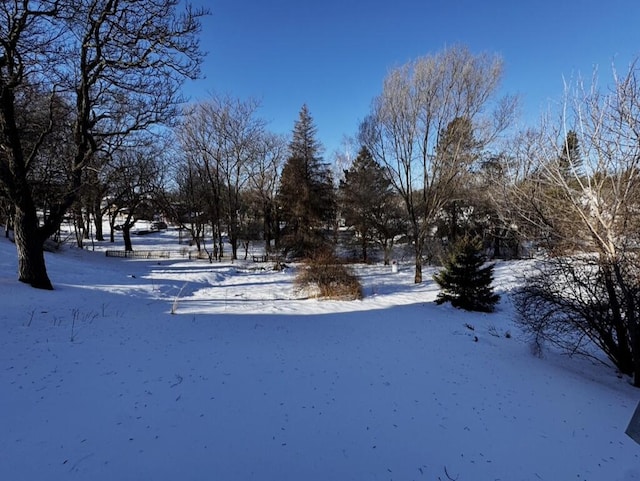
column 328, row 278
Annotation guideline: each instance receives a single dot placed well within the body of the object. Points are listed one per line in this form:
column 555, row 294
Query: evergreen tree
column 306, row 196
column 570, row 157
column 465, row 281
column 369, row 204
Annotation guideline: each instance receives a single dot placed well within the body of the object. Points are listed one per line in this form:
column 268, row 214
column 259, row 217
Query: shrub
column 329, row 278
column 583, row 304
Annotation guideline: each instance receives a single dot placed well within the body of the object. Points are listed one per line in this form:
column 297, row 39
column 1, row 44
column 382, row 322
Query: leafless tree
column 135, row 178
column 263, row 183
column 187, row 203
column 586, row 212
column 222, row 136
column 344, row 156
column 418, row 101
column 118, row 63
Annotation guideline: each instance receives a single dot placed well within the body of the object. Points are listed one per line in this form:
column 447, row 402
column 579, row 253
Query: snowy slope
column 248, row 381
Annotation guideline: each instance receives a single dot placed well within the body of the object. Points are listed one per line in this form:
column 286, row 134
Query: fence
column 180, row 254
column 157, row 254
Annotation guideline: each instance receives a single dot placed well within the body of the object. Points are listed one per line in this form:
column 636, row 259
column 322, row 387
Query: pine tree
column 368, row 204
column 306, row 196
column 465, row 281
column 570, row 160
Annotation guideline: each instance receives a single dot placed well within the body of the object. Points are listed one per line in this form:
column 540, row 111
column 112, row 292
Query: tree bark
column 387, row 253
column 418, row 276
column 234, row 247
column 98, row 225
column 29, row 244
column 126, row 236
column 78, row 222
column 267, row 227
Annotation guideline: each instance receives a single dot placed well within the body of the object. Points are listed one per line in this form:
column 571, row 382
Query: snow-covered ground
column 249, row 381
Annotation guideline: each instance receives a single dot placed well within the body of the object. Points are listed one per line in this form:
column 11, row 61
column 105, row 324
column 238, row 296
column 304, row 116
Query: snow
column 248, row 380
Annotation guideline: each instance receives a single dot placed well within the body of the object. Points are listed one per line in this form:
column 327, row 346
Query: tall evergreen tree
column 368, row 204
column 465, row 281
column 306, row 196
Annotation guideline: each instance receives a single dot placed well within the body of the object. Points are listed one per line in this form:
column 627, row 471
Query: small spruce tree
column 465, row 280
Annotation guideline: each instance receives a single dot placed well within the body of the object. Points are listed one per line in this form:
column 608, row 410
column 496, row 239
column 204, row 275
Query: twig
column 174, row 307
column 449, row 477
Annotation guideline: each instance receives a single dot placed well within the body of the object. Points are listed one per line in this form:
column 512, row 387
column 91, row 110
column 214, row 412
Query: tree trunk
column 87, row 225
column 97, row 221
column 126, row 236
column 363, row 246
column 634, row 334
column 220, row 245
column 30, row 246
column 267, row 228
column 418, row 276
column 234, row 248
column 387, row 246
column 386, row 253
column 78, row 224
column 418, row 244
column 453, row 230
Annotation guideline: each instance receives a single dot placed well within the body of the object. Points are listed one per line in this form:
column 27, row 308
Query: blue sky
column 333, row 55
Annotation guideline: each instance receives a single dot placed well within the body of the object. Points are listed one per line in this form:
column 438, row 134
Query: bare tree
column 244, row 131
column 135, row 179
column 187, row 204
column 344, row 156
column 222, row 138
column 586, row 211
column 418, row 101
column 263, row 183
column 118, row 63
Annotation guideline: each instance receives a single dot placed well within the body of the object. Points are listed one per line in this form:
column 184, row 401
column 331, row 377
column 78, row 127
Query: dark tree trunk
column 364, row 249
column 220, row 245
column 267, row 228
column 97, row 221
column 634, row 335
column 126, row 236
column 29, row 244
column 418, row 276
column 234, row 248
column 419, row 247
column 87, row 225
column 79, row 226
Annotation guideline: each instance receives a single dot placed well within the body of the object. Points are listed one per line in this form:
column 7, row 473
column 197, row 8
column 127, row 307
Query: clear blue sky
column 334, row 54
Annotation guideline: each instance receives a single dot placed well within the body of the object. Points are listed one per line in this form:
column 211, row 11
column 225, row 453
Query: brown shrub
column 328, row 278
